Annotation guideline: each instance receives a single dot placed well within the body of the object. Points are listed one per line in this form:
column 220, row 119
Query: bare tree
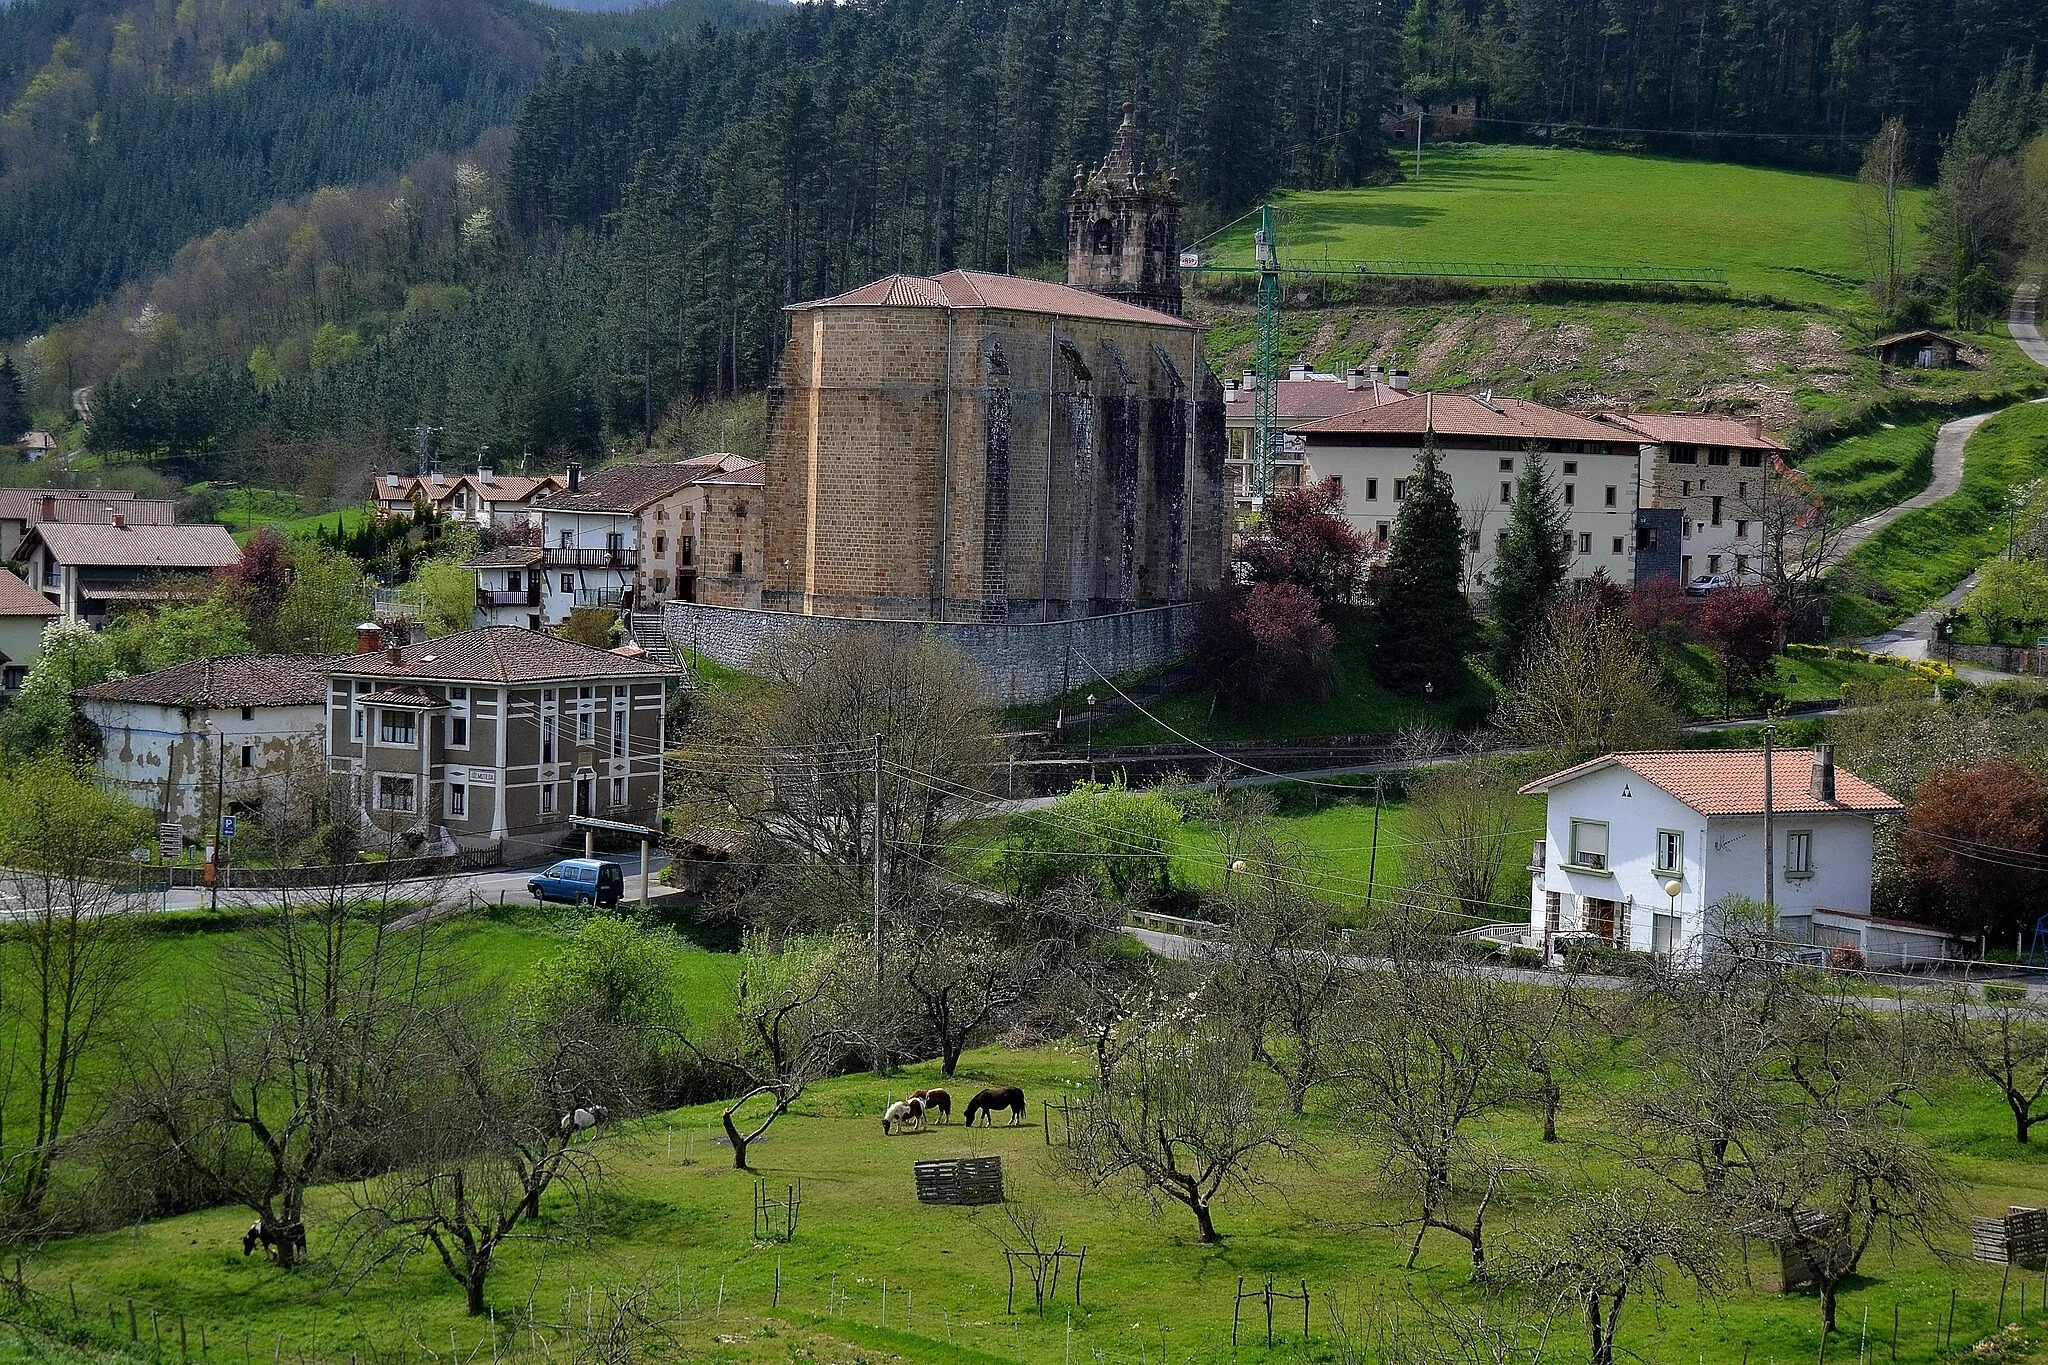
column 1589, row 684
column 1178, row 1116
column 1282, row 976
column 1465, row 819
column 787, row 1025
column 2004, row 1042
column 1802, row 538
column 1613, row 1244
column 1433, row 1050
column 296, row 1061
column 963, row 978
column 1880, row 217
column 1555, row 1026
column 66, row 966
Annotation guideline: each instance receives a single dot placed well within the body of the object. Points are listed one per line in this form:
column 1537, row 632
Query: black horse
column 272, row 1238
column 987, row 1102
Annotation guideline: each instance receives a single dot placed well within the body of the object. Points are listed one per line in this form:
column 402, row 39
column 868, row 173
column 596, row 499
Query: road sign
column 169, row 839
column 227, row 827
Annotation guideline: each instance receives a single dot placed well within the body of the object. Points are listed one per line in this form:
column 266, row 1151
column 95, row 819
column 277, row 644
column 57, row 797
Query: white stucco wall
column 1841, row 862
column 168, row 760
column 586, row 531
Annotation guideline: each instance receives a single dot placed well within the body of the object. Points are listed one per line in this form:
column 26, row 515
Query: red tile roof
column 1695, row 428
column 499, row 654
column 1456, row 414
column 25, row 504
column 1307, row 400
column 137, row 547
column 1004, row 293
column 1731, row 781
column 19, row 599
column 214, row 684
column 403, row 696
column 626, row 488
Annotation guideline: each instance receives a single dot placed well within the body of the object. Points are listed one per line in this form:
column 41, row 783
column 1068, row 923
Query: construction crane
column 1266, row 264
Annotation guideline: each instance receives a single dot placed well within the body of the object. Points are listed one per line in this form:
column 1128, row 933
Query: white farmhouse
column 1623, row 829
column 238, row 735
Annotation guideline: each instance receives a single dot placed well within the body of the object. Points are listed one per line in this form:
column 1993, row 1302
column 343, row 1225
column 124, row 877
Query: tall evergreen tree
column 1530, row 570
column 13, row 403
column 1425, row 623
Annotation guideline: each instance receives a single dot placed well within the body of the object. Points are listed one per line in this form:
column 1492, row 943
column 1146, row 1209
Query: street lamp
column 1671, row 889
column 1091, row 736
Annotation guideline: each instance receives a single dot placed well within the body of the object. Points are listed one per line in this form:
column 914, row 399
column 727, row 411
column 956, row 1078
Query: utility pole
column 1265, row 428
column 881, row 1053
column 1372, row 866
column 213, row 839
column 1770, row 867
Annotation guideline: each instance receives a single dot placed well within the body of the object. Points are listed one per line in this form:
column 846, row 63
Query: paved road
column 492, row 885
column 1948, row 477
column 2024, row 322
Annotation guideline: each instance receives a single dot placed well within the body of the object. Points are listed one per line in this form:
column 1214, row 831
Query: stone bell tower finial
column 1123, row 224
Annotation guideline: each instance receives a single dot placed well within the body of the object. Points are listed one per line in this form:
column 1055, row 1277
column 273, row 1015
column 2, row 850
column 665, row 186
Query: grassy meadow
column 675, row 1229
column 1781, row 234
column 1868, row 473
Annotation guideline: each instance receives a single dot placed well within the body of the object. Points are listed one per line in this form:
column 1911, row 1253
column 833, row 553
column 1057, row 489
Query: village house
column 1483, row 440
column 21, row 508
column 1714, row 471
column 1639, row 849
column 23, row 614
column 508, row 586
column 718, row 552
column 495, row 737
column 485, row 498
column 1924, row 349
column 34, row 445
column 87, row 569
column 1305, row 395
column 236, row 735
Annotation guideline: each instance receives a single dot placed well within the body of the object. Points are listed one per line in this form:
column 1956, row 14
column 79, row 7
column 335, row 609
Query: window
column 568, row 582
column 1617, row 545
column 1799, row 853
column 1742, row 490
column 395, row 727
column 1718, row 455
column 1400, row 489
column 738, row 562
column 547, row 727
column 1507, row 492
column 1500, row 540
column 458, row 800
column 1567, row 542
column 248, row 713
column 1612, row 494
column 1571, row 466
column 661, row 583
column 394, row 792
column 458, row 718
column 1372, row 490
column 1684, row 455
column 13, row 677
column 1752, row 459
column 1716, row 517
column 618, row 729
column 686, row 551
column 1585, row 542
column 586, row 794
column 1589, row 844
column 248, row 755
column 1741, row 528
column 1670, row 851
column 1646, row 538
column 1379, row 532
column 514, row 581
column 547, row 798
column 660, row 543
column 1571, row 494
column 1685, row 488
column 1713, row 563
column 618, row 791
column 568, row 540
column 1507, row 464
column 586, row 715
column 615, row 542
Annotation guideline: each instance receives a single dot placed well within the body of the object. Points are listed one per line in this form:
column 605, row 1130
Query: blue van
column 580, row 881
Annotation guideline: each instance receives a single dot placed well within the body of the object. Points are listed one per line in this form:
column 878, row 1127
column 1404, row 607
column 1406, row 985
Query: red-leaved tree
column 256, row 583
column 1976, row 847
column 1742, row 626
column 1305, row 540
column 1262, row 644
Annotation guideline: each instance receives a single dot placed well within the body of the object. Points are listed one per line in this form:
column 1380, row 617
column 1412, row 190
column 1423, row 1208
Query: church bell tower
column 1123, row 226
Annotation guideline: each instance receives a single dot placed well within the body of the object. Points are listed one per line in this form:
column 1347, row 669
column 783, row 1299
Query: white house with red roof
column 1639, row 848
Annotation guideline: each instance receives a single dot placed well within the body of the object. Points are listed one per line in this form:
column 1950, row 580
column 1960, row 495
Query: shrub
column 1529, row 958
column 2004, row 993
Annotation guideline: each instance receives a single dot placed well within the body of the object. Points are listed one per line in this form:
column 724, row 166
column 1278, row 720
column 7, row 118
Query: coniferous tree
column 13, row 403
column 1425, row 622
column 1530, row 569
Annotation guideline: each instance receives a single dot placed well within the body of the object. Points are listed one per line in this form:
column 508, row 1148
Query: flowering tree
column 1305, row 540
column 1976, row 846
column 1742, row 626
column 1262, row 645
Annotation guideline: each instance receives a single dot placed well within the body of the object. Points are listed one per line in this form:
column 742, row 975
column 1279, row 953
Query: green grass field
column 1781, row 234
column 675, row 1233
column 1871, row 472
column 1927, row 552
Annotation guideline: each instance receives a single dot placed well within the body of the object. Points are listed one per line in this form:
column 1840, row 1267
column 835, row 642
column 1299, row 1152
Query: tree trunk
column 1827, row 1307
column 2022, row 1122
column 1201, row 1208
column 739, row 1144
column 473, row 1285
column 1551, row 1101
column 949, row 1058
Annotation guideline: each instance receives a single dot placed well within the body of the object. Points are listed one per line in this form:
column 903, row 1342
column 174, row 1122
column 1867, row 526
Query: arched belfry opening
column 1123, row 225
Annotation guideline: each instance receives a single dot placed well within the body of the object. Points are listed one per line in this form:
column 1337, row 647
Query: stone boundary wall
column 1020, row 662
column 2004, row 658
column 354, row 874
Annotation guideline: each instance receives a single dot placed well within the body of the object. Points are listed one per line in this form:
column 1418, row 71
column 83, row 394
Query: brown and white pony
column 935, row 1102
column 905, row 1114
column 987, row 1102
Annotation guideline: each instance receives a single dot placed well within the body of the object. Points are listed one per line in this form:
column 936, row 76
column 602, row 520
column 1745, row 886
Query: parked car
column 580, row 881
column 1708, row 583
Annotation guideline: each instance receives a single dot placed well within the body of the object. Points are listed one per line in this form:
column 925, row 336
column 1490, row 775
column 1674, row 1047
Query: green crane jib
column 1266, row 431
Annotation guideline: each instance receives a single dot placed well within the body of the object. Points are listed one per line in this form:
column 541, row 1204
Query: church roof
column 1004, row 293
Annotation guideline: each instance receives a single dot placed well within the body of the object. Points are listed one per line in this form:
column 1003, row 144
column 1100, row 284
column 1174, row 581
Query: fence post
column 133, row 1335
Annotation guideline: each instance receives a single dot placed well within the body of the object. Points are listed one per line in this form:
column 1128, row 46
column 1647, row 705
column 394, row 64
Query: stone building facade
column 976, row 447
column 1123, row 226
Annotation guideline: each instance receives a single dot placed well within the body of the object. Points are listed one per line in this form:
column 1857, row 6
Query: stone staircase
column 647, row 631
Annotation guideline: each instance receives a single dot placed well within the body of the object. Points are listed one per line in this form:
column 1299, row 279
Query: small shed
column 701, row 859
column 1924, row 349
column 2020, row 1238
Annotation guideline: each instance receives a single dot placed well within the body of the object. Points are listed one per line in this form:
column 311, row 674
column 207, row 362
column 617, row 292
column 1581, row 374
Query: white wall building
column 1484, row 440
column 234, row 735
column 1620, row 829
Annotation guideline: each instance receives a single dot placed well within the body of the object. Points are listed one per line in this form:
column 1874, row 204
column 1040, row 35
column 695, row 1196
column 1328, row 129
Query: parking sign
column 227, row 827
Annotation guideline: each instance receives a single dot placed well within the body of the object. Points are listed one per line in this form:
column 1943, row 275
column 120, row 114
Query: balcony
column 1536, row 857
column 555, row 557
column 601, row 597
column 528, row 596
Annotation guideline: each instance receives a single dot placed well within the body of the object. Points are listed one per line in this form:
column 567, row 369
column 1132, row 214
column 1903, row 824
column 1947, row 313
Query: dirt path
column 1948, row 477
column 2024, row 322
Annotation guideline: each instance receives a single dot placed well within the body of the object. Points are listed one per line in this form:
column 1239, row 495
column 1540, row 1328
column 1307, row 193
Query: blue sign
column 227, row 827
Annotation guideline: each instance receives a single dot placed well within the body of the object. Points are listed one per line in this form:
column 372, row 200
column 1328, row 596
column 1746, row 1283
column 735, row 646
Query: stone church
column 972, row 447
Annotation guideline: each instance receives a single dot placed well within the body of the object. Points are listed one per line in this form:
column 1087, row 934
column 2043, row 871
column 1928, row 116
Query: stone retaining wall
column 1020, row 662
column 2004, row 658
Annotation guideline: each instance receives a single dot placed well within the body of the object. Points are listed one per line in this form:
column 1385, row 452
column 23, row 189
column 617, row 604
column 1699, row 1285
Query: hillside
column 139, row 126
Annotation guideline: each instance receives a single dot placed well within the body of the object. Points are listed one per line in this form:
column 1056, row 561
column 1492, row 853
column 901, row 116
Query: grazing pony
column 274, row 1238
column 576, row 1120
column 988, row 1101
column 905, row 1114
column 935, row 1101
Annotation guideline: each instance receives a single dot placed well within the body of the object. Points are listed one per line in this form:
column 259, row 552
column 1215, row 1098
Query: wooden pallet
column 969, row 1180
column 2020, row 1238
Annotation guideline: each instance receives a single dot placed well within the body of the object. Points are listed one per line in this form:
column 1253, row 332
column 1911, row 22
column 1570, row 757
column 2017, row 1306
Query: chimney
column 49, row 507
column 575, row 476
column 369, row 637
column 119, row 521
column 438, row 477
column 391, row 481
column 1378, row 375
column 1400, row 381
column 1251, row 380
column 483, row 473
column 1354, row 378
column 1823, row 772
column 395, row 654
column 1297, row 371
column 1756, row 427
column 1230, row 390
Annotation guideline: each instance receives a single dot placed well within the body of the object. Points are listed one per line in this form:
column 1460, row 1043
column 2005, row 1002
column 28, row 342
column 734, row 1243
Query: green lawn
column 1779, row 233
column 1868, row 473
column 676, row 1233
column 1927, row 552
